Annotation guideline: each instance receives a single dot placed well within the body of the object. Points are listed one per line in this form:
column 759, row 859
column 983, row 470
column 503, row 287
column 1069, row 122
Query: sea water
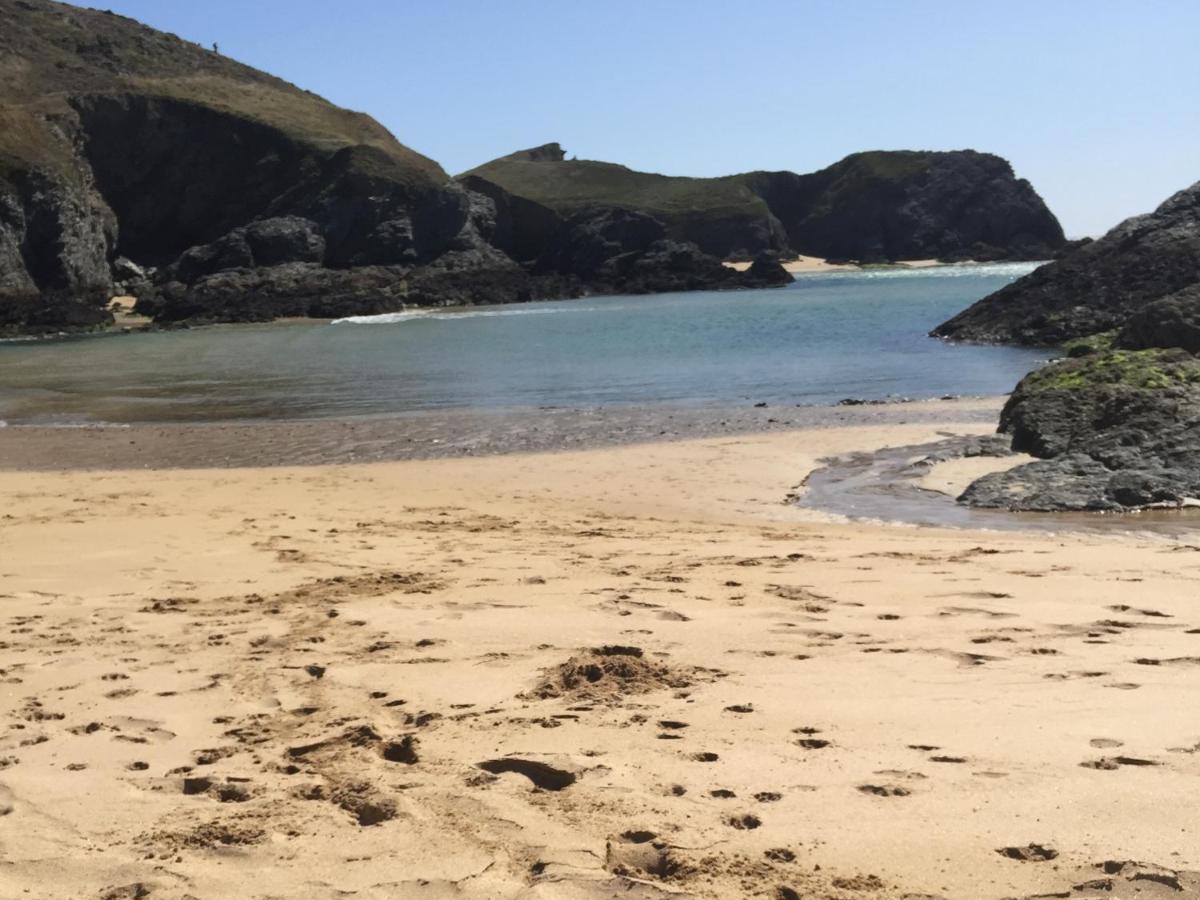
column 826, row 337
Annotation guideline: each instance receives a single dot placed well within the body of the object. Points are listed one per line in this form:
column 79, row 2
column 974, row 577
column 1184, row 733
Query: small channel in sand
column 886, row 486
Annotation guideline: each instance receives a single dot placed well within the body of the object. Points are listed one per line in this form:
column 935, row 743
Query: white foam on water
column 952, row 270
column 424, row 314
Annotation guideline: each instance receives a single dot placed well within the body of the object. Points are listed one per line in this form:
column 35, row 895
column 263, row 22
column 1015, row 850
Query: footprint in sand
column 745, row 822
column 812, row 743
column 1028, row 853
column 1111, row 763
column 543, row 775
column 641, row 851
column 884, row 790
column 1154, row 613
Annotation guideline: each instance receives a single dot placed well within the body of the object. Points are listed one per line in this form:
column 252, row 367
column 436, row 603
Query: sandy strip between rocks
column 383, row 681
column 816, row 264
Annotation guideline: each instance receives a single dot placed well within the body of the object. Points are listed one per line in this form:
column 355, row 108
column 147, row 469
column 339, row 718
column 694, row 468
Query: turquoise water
column 821, row 339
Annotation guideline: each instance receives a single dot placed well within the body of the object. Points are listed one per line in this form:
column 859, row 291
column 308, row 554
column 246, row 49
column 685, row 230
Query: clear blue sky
column 1097, row 102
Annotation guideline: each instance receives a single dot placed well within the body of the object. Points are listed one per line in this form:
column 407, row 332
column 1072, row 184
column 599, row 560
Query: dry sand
column 383, row 681
column 817, row 264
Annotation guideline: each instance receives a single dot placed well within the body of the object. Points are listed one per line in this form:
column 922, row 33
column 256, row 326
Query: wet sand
column 631, row 670
column 442, row 434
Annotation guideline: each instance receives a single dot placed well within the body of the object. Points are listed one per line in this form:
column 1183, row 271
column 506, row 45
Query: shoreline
column 126, row 321
column 803, row 264
column 439, row 434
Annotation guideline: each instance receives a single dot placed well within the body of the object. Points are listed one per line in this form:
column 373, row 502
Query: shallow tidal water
column 826, row 337
column 884, row 486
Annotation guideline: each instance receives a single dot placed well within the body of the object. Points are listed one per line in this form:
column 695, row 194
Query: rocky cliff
column 1094, row 287
column 880, row 206
column 1116, row 425
column 870, row 207
column 722, row 217
column 133, row 161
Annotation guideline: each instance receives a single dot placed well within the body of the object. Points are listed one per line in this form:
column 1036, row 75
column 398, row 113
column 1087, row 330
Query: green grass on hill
column 570, row 185
column 50, row 52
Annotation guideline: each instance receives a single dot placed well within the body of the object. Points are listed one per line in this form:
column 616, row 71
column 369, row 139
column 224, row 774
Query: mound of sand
column 609, row 673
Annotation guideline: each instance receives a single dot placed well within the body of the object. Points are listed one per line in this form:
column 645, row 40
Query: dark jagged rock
column 765, row 271
column 1116, row 430
column 1173, row 321
column 55, row 239
column 273, row 242
column 269, row 242
column 124, row 269
column 242, row 197
column 523, row 229
column 1097, row 286
column 118, row 140
column 667, row 265
column 870, row 207
column 619, row 251
column 888, row 205
column 1117, row 424
column 480, row 275
column 588, row 240
column 291, row 289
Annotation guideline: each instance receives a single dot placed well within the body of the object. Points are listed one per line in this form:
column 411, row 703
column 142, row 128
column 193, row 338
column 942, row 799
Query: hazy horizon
column 1096, row 106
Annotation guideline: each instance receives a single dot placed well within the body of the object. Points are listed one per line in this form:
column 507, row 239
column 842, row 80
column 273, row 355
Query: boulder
column 125, row 269
column 1115, row 430
column 285, row 239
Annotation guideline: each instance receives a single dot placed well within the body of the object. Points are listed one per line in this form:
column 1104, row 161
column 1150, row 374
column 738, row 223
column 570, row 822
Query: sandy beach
column 816, row 264
column 624, row 671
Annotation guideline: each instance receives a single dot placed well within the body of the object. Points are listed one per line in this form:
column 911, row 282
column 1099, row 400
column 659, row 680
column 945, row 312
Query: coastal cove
column 780, row 480
column 826, row 337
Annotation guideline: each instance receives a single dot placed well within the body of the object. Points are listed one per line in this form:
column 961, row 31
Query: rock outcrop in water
column 870, row 207
column 1116, row 424
column 1096, row 286
column 237, row 195
column 1115, row 430
column 627, row 252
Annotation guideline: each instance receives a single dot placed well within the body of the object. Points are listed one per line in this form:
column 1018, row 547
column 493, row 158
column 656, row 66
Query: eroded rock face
column 875, row 207
column 55, row 239
column 216, row 174
column 1096, row 287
